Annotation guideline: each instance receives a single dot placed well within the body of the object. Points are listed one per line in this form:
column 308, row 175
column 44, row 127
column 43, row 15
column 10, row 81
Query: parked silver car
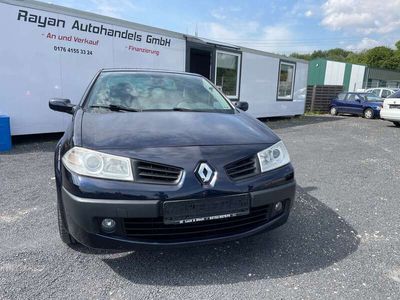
column 382, row 92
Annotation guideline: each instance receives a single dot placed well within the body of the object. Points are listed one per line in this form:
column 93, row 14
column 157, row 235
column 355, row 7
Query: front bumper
column 84, row 216
column 391, row 114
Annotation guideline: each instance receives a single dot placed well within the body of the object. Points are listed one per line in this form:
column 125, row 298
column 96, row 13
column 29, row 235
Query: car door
column 354, row 104
column 338, row 102
column 358, row 105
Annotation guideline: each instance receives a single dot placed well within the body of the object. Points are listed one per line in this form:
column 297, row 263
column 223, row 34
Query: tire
column 333, row 111
column 397, row 124
column 368, row 113
column 62, row 227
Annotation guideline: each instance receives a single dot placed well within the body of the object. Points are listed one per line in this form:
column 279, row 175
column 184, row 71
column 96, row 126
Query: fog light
column 108, row 225
column 278, row 206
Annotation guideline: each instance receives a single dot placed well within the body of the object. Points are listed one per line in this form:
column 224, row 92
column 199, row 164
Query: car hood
column 119, row 130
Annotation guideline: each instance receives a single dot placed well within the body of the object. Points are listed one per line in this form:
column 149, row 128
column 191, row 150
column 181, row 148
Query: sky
column 271, row 25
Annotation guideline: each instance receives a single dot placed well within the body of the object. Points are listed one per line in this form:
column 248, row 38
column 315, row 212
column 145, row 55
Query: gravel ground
column 342, row 239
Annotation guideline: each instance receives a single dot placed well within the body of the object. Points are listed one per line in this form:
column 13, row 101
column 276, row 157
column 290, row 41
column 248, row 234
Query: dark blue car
column 367, row 105
column 165, row 159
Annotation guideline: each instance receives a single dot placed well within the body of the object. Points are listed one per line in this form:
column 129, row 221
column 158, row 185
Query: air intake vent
column 243, row 168
column 147, row 172
column 155, row 229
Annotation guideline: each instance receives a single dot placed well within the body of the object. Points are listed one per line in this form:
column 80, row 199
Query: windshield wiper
column 182, row 109
column 114, row 107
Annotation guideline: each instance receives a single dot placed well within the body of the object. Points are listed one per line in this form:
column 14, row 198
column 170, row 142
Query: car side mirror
column 358, row 100
column 242, row 105
column 62, row 105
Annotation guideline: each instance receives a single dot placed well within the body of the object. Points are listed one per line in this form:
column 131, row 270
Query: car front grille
column 148, row 172
column 394, row 106
column 243, row 168
column 154, row 229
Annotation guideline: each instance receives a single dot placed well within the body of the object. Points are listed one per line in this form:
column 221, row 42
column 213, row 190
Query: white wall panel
column 334, row 73
column 356, row 78
column 259, row 83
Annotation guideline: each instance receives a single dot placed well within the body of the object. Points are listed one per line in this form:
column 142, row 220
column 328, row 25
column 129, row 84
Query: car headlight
column 378, row 108
column 273, row 157
column 97, row 164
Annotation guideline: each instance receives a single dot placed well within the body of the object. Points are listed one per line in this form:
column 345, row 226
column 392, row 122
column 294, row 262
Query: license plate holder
column 200, row 210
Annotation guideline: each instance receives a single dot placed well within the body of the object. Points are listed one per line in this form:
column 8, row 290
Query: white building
column 51, row 51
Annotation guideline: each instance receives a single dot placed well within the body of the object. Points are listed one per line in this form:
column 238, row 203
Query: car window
column 156, row 91
column 371, row 97
column 386, row 93
column 353, row 97
column 395, row 95
column 341, row 96
column 374, row 91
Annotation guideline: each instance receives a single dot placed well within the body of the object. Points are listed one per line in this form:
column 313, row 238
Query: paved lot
column 342, row 239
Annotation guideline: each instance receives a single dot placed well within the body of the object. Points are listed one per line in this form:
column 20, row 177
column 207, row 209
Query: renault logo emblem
column 205, row 173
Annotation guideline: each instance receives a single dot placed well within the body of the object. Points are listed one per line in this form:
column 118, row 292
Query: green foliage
column 398, row 45
column 378, row 57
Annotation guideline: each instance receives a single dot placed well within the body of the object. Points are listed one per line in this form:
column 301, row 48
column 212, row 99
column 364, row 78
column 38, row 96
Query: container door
column 199, row 59
column 200, row 62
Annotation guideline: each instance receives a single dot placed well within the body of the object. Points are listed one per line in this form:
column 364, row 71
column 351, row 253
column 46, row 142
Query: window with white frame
column 227, row 70
column 286, row 80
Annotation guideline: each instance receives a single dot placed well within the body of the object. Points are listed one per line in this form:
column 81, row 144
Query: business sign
column 45, row 55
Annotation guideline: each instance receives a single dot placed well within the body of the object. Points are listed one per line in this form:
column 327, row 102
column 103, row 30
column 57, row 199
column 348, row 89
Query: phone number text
column 73, row 50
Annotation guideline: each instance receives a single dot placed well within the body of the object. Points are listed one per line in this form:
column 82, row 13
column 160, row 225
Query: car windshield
column 147, row 91
column 371, row 97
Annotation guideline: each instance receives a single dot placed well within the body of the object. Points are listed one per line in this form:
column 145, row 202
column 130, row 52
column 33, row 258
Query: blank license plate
column 191, row 211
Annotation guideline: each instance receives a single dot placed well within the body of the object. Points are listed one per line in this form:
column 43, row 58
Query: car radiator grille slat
column 146, row 172
column 243, row 168
column 156, row 229
column 158, row 223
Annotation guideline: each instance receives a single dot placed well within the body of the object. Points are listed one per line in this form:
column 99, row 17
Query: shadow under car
column 314, row 238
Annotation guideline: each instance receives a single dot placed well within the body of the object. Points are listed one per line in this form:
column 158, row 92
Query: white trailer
column 50, row 51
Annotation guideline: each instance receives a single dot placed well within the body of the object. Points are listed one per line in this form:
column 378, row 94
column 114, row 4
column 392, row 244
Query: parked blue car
column 367, row 105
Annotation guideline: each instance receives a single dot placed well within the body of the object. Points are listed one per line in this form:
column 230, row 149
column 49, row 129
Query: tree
column 378, row 57
column 392, row 63
column 398, row 45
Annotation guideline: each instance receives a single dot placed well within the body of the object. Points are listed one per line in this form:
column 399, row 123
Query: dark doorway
column 200, row 62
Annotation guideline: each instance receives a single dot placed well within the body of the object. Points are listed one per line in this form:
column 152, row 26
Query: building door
column 221, row 65
column 199, row 59
column 200, row 62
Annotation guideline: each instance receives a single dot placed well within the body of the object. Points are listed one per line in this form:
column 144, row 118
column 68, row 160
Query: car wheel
column 62, row 227
column 334, row 111
column 397, row 124
column 368, row 113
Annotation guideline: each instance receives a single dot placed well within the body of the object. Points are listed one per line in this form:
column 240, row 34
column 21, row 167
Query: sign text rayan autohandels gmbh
column 44, row 22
